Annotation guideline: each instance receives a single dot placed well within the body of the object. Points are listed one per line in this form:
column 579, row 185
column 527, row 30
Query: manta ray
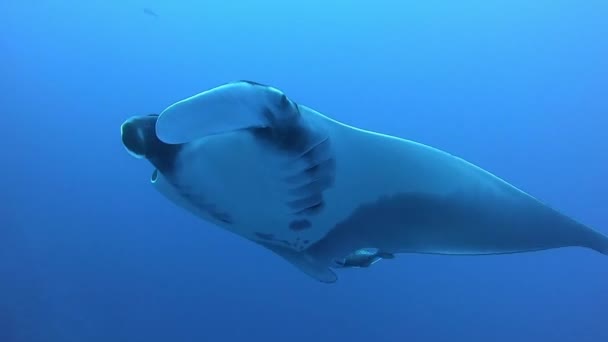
column 322, row 194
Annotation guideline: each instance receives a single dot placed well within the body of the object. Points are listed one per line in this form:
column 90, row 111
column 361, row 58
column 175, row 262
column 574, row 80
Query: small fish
column 150, row 12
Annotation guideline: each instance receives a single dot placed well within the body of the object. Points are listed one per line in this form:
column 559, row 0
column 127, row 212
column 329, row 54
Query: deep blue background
column 90, row 252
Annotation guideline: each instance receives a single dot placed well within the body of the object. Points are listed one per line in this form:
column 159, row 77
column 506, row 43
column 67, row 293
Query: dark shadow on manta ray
column 451, row 225
column 452, row 217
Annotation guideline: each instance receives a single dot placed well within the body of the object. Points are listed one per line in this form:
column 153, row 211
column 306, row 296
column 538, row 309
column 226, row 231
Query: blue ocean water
column 89, row 251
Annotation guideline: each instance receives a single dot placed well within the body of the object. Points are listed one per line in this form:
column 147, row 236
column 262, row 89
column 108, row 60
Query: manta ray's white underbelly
column 238, row 182
column 243, row 178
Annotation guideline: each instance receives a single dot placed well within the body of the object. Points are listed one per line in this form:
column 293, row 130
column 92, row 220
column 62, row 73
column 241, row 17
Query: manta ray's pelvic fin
column 305, row 262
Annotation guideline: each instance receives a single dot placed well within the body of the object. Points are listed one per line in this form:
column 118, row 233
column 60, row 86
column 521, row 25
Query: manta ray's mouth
column 154, row 176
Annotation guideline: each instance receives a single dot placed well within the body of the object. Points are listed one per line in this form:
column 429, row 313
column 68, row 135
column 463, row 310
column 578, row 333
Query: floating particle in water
column 150, row 13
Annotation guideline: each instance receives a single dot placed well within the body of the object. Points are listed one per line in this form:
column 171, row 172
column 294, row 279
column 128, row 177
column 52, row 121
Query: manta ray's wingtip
column 322, row 274
column 597, row 241
column 331, row 280
column 602, row 245
column 305, row 262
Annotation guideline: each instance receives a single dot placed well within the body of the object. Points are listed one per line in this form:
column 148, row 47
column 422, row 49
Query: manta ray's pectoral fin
column 305, row 263
column 231, row 107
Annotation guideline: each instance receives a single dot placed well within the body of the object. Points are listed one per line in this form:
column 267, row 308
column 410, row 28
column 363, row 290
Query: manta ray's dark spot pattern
column 306, row 202
column 317, row 185
column 298, row 225
column 309, row 183
column 312, row 210
column 310, row 166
